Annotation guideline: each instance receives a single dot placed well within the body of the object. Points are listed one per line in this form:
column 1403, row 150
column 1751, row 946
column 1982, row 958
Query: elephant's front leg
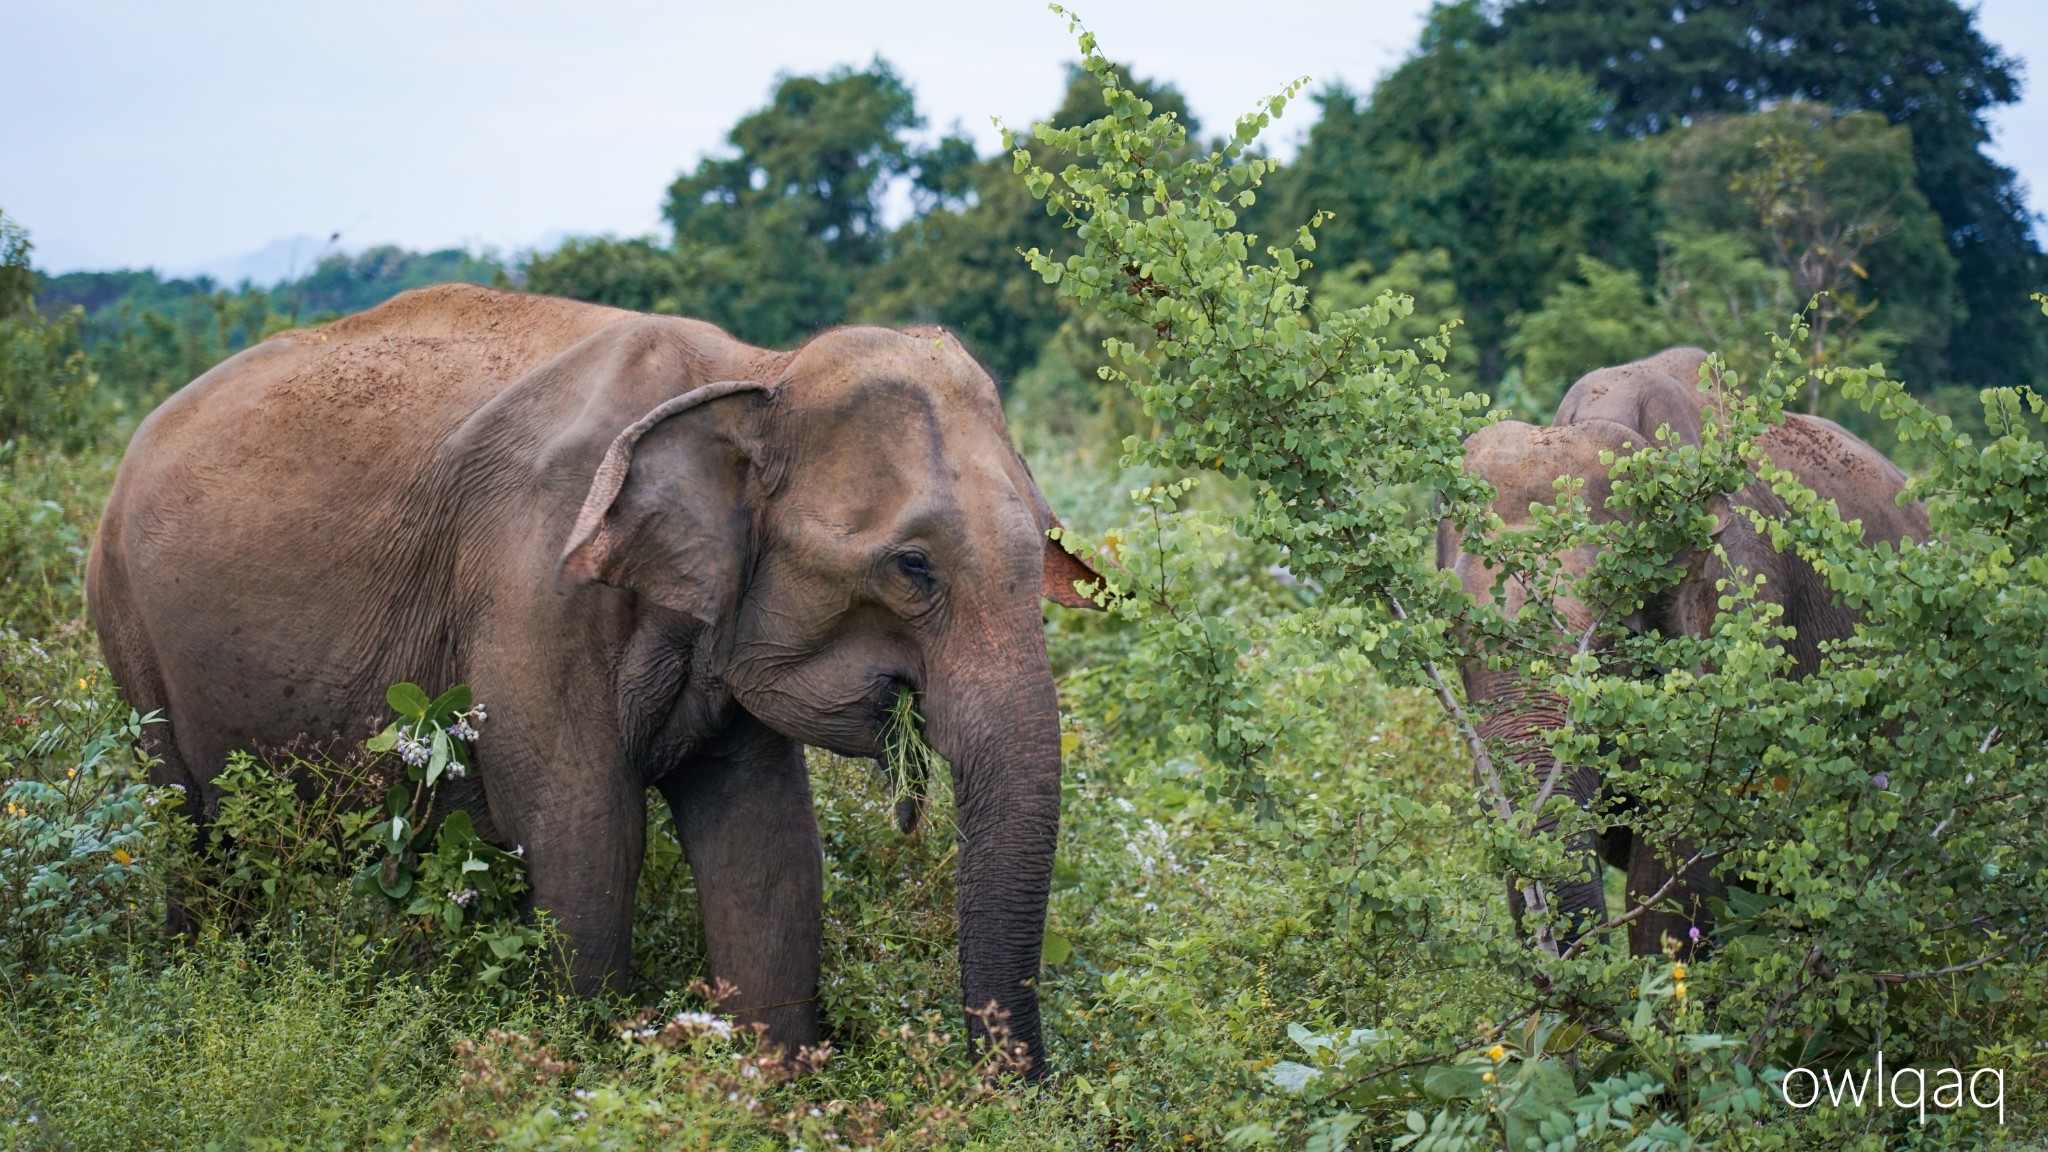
column 743, row 810
column 583, row 852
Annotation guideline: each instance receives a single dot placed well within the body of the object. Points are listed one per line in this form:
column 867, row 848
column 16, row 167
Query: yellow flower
column 1678, row 971
column 1681, row 990
column 81, row 683
column 1496, row 1052
column 1486, row 1076
column 70, row 772
column 121, row 854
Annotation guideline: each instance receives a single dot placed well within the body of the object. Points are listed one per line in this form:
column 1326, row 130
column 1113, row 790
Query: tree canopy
column 1922, row 64
column 1501, row 169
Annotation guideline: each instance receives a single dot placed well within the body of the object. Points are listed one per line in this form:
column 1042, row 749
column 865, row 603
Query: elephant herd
column 669, row 560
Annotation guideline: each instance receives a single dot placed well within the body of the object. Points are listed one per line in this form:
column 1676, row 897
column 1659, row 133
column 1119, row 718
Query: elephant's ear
column 1063, row 570
column 667, row 514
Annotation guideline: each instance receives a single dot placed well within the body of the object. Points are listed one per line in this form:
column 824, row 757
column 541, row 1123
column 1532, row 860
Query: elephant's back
column 312, row 422
column 1841, row 466
column 399, row 373
column 1642, row 395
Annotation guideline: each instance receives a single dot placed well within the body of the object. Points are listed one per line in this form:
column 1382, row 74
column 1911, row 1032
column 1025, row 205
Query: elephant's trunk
column 1517, row 722
column 995, row 716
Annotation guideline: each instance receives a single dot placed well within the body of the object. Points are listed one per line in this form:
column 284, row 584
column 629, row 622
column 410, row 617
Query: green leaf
column 407, row 700
column 394, row 878
column 1057, row 949
column 456, row 828
column 1444, row 1083
column 439, row 762
column 383, row 741
column 456, row 699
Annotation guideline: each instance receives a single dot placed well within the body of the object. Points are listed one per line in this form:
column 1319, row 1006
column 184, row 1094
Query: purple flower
column 1693, row 932
column 462, row 731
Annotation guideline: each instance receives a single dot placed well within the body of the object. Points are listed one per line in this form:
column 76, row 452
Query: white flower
column 519, row 850
column 465, row 898
column 456, row 771
column 413, row 751
column 704, row 1024
column 462, row 731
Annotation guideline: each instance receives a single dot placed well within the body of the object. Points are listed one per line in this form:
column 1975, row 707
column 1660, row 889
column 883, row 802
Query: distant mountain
column 283, row 259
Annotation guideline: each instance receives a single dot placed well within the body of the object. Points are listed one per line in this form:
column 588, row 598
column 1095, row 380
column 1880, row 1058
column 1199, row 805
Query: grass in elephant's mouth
column 908, row 761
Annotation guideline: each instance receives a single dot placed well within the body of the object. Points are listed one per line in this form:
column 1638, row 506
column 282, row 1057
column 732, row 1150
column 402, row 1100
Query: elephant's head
column 1523, row 463
column 858, row 524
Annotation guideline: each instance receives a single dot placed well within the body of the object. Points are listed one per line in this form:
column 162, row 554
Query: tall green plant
column 1901, row 871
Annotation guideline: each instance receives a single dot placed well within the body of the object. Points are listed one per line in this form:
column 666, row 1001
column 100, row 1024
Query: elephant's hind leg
column 131, row 660
column 1684, row 908
column 743, row 811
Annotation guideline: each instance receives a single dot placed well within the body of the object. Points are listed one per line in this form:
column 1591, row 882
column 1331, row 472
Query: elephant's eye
column 917, row 568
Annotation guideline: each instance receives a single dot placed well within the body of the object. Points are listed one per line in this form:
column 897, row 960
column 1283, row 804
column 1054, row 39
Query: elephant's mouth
column 881, row 706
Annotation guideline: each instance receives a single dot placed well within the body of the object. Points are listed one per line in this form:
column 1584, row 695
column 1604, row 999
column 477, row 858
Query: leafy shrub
column 79, row 828
column 47, row 505
column 47, row 393
column 1877, row 910
column 352, row 844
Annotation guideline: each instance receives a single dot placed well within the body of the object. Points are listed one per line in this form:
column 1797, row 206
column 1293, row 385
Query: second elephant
column 1619, row 410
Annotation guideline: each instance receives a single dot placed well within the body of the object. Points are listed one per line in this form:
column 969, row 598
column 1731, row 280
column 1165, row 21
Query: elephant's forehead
column 1524, row 462
column 849, row 368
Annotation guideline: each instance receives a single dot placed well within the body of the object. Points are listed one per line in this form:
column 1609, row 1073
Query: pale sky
column 189, row 136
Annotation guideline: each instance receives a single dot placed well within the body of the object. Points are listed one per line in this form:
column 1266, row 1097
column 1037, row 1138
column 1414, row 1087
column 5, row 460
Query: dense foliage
column 1859, row 922
column 1920, row 64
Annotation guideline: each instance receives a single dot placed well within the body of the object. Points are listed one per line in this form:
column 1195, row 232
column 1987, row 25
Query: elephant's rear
column 247, row 569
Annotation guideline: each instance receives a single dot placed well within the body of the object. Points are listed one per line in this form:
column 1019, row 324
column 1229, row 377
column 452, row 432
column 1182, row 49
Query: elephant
column 664, row 558
column 1619, row 410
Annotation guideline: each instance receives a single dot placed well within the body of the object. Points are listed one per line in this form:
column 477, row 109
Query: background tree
column 637, row 273
column 1831, row 200
column 1921, row 64
column 957, row 264
column 1502, row 169
column 1710, row 290
column 774, row 239
column 340, row 283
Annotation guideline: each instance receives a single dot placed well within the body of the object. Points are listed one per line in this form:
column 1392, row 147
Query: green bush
column 80, row 831
column 1887, row 906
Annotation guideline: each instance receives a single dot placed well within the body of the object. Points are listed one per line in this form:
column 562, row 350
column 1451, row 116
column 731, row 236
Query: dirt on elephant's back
column 441, row 341
column 1823, row 452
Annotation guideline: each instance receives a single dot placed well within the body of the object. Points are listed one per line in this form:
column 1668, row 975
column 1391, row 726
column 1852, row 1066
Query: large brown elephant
column 665, row 559
column 1619, row 410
